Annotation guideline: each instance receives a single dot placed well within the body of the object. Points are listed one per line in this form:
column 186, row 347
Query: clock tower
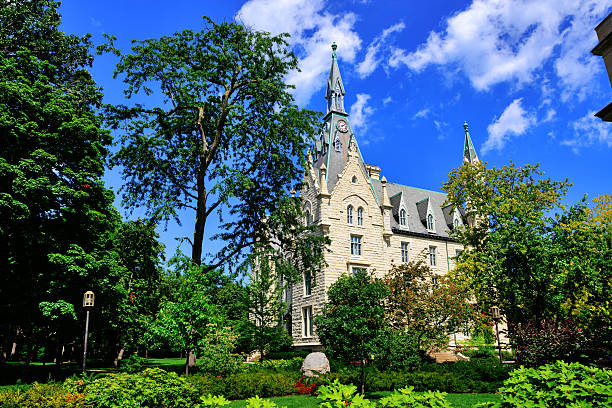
column 336, row 136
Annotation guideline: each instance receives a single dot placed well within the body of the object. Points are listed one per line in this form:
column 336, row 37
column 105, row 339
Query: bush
column 153, row 387
column 557, row 385
column 49, row 395
column 406, row 398
column 133, row 364
column 245, row 385
column 286, row 355
column 337, row 395
column 216, row 356
column 397, row 351
column 549, row 341
column 295, row 364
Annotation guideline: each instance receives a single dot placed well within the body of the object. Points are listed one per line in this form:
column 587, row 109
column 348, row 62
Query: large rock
column 315, row 364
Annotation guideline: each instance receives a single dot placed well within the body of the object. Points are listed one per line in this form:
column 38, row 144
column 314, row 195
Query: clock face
column 342, row 126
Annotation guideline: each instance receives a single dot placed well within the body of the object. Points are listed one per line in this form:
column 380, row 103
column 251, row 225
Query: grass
column 307, row 401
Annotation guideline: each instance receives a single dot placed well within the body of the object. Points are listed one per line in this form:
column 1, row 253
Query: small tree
column 431, row 309
column 353, row 319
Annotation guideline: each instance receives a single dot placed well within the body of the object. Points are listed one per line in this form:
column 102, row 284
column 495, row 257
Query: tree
column 353, row 320
column 56, row 216
column 286, row 250
column 430, row 310
column 508, row 246
column 185, row 316
column 227, row 137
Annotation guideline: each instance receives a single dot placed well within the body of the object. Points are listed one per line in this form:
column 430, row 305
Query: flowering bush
column 302, row 386
column 541, row 343
column 49, row 395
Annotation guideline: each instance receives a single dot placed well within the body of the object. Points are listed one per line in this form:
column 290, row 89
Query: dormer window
column 402, row 217
column 430, row 222
column 349, row 214
column 354, row 180
column 360, row 216
column 456, row 223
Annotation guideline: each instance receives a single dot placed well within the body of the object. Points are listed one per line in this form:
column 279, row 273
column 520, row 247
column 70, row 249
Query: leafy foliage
column 557, row 385
column 429, row 311
column 353, row 320
column 228, row 137
column 336, row 395
column 405, row 397
column 49, row 395
column 153, row 387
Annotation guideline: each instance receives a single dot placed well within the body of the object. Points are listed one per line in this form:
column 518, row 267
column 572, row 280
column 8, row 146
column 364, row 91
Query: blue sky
column 520, row 73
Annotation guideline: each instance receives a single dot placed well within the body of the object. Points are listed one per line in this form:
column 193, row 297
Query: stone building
column 372, row 223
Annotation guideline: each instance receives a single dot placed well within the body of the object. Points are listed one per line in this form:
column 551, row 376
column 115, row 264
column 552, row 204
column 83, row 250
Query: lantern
column 88, row 299
column 495, row 312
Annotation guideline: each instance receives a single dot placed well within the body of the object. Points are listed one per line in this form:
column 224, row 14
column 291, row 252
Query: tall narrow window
column 307, row 284
column 360, row 216
column 404, row 252
column 307, row 218
column 432, row 256
column 355, row 245
column 402, row 217
column 307, row 321
column 430, row 222
column 349, row 214
column 434, row 281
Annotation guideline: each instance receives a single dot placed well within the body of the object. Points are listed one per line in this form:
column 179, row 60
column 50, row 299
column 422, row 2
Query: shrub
column 295, row 364
column 549, row 341
column 49, row 395
column 133, row 364
column 245, row 385
column 256, row 402
column 405, row 397
column 286, row 355
column 557, row 385
column 216, row 356
column 336, row 395
column 213, row 401
column 153, row 387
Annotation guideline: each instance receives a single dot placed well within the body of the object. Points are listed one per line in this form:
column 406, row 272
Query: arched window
column 456, row 222
column 349, row 214
column 307, row 218
column 430, row 222
column 360, row 216
column 402, row 217
column 354, row 180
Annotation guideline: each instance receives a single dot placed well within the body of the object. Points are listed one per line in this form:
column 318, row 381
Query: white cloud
column 360, row 114
column 494, row 41
column 442, row 128
column 421, row 114
column 387, row 100
column 372, row 58
column 514, row 121
column 550, row 115
column 589, row 130
column 312, row 30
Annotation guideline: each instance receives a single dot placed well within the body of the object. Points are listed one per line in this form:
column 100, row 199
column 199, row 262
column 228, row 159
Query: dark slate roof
column 413, row 199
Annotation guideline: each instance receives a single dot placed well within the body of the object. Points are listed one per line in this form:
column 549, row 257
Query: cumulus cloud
column 587, row 131
column 360, row 114
column 514, row 121
column 312, row 30
column 387, row 100
column 495, row 41
column 372, row 58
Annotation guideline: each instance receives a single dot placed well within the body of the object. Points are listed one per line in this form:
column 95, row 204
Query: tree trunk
column 363, row 376
column 13, row 350
column 190, row 361
column 119, row 356
column 198, row 233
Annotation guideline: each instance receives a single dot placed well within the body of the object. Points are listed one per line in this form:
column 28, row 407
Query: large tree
column 508, row 244
column 217, row 131
column 56, row 216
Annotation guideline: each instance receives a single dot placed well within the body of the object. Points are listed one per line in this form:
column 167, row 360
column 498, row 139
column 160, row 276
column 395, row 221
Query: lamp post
column 88, row 302
column 496, row 318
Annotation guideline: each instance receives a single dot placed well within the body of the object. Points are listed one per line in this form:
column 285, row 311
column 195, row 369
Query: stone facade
column 371, row 223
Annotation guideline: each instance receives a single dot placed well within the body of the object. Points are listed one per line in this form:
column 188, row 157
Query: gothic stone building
column 372, row 223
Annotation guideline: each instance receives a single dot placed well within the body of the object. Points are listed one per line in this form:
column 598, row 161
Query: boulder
column 315, row 364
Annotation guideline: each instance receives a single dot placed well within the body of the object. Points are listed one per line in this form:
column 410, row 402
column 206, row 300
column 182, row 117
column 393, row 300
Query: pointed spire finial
column 469, row 153
column 334, row 47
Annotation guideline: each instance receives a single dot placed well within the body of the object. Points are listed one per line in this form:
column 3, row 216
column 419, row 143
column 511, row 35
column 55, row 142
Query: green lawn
column 306, row 401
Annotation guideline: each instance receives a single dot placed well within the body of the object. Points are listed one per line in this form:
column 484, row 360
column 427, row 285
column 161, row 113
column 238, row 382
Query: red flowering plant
column 304, row 386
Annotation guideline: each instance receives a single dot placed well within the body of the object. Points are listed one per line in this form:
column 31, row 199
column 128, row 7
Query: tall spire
column 469, row 153
column 335, row 89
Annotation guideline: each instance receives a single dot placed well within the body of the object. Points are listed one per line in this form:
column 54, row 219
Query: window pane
column 432, row 256
column 307, row 284
column 404, row 252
